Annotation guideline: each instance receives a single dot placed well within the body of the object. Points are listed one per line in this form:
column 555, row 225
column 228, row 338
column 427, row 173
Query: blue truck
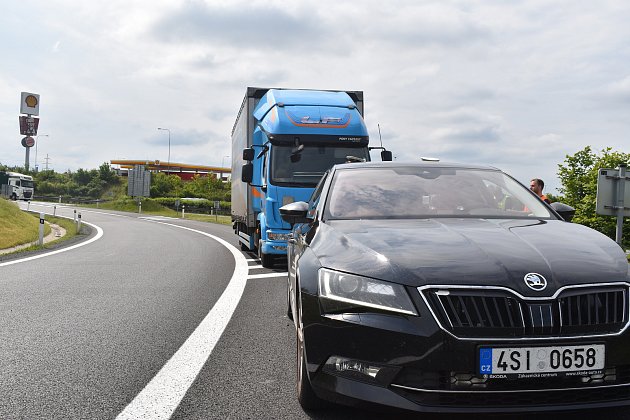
column 283, row 141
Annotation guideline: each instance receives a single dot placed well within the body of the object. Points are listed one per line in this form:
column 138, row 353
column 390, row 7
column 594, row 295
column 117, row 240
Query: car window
column 314, row 200
column 430, row 192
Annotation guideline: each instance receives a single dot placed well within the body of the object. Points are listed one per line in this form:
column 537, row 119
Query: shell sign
column 29, row 104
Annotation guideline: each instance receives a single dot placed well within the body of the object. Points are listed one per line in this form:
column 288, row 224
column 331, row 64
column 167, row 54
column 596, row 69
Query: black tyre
column 243, row 246
column 13, row 197
column 306, row 396
column 265, row 259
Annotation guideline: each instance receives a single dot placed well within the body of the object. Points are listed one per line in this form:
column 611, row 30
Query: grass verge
column 222, row 220
column 152, row 208
column 17, row 227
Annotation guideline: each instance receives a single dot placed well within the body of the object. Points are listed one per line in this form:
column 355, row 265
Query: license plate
column 521, row 361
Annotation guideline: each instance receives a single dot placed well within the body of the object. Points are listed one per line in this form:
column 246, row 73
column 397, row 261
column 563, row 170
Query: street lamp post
column 168, row 162
column 223, row 160
column 37, row 141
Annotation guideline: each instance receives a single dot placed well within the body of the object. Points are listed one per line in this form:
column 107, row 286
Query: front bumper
column 274, row 247
column 426, row 369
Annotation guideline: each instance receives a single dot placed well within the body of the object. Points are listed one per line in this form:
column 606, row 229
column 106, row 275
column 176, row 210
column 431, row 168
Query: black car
column 443, row 287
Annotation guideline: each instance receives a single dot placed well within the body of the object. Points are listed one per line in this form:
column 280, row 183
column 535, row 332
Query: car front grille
column 470, row 390
column 417, row 379
column 500, row 313
column 527, row 400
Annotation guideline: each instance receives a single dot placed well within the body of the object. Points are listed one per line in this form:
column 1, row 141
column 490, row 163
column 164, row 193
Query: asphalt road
column 108, row 330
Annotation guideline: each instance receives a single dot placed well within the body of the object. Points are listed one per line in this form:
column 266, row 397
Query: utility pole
column 47, row 159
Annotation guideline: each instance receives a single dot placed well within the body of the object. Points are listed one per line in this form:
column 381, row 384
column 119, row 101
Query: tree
column 578, row 176
column 164, row 185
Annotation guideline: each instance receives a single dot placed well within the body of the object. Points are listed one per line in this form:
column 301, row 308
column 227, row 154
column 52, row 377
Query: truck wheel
column 244, row 247
column 13, row 197
column 265, row 259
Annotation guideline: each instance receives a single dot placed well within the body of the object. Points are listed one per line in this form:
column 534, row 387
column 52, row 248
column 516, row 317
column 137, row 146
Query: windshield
column 313, row 162
column 27, row 183
column 412, row 192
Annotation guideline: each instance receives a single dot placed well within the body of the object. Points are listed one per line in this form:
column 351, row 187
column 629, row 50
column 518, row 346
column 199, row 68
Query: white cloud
column 515, row 84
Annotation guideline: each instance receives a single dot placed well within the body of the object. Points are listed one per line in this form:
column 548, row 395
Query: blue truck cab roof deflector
column 285, row 112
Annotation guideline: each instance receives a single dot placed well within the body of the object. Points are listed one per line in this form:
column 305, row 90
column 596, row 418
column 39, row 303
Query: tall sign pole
column 613, row 195
column 29, row 105
column 620, row 204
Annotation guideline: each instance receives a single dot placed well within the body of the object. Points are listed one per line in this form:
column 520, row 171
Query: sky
column 514, row 84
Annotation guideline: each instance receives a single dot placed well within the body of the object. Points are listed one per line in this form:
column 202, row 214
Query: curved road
column 157, row 318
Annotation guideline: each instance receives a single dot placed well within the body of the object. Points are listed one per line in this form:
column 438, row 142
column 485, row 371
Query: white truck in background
column 16, row 186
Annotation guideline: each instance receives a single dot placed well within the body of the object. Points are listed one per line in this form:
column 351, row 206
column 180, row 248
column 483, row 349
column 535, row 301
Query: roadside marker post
column 75, row 215
column 79, row 223
column 54, row 211
column 41, row 229
column 183, row 207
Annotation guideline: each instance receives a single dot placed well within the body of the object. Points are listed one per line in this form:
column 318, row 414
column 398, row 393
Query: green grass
column 17, row 227
column 69, row 225
column 223, row 220
column 152, row 208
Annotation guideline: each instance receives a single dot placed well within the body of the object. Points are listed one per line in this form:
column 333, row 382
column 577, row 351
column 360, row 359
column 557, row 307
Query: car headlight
column 277, row 236
column 364, row 291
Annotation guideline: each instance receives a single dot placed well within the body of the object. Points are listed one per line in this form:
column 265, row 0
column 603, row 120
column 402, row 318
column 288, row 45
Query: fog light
column 352, row 367
column 279, row 248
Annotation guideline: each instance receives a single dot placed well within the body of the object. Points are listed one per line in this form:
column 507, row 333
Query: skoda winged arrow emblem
column 535, row 281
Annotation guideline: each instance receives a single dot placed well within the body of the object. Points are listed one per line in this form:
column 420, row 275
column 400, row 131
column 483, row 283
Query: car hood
column 470, row 251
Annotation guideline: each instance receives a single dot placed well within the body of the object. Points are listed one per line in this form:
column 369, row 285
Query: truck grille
column 27, row 194
column 488, row 312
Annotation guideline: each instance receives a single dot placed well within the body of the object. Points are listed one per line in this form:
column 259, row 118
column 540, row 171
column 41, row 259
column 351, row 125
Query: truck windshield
column 313, row 162
column 27, row 184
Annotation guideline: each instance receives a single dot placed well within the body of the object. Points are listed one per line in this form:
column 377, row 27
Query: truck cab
column 296, row 136
column 16, row 186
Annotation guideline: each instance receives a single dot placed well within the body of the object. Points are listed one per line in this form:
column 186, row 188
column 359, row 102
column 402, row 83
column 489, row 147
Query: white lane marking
column 99, row 233
column 254, row 267
column 252, row 259
column 83, row 210
column 260, row 276
column 161, row 396
column 157, row 218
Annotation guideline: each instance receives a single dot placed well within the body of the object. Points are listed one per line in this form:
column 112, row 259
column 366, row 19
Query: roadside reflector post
column 79, row 223
column 54, row 211
column 139, row 206
column 41, row 229
column 75, row 215
column 183, row 209
column 59, row 199
column 28, row 206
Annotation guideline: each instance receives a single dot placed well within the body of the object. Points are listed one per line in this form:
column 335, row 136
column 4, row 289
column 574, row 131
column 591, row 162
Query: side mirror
column 294, row 213
column 386, row 156
column 248, row 154
column 247, row 172
column 565, row 211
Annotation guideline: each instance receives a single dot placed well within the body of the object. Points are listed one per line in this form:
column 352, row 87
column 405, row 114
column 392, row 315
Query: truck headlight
column 277, row 236
column 364, row 291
